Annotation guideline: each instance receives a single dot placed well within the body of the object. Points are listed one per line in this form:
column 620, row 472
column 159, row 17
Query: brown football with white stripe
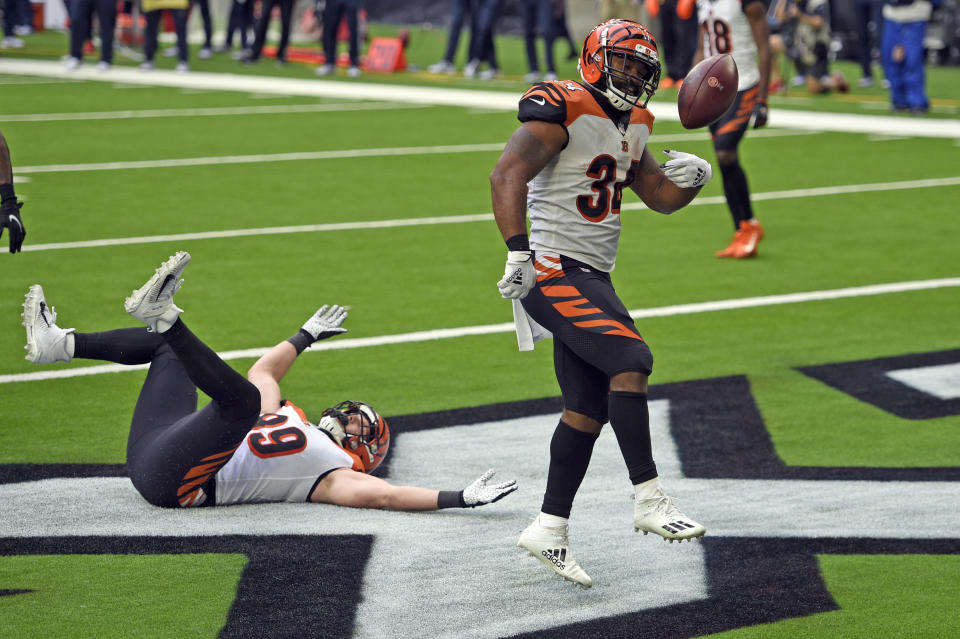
column 708, row 91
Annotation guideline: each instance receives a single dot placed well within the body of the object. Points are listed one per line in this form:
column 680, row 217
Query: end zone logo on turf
column 767, row 523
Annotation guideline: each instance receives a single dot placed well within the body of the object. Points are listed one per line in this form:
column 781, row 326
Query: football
column 708, row 91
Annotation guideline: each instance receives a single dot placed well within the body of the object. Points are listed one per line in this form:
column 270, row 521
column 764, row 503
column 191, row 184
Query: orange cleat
column 745, row 240
column 667, row 83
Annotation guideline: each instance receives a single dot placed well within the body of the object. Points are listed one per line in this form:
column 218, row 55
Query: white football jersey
column 282, row 458
column 574, row 202
column 725, row 29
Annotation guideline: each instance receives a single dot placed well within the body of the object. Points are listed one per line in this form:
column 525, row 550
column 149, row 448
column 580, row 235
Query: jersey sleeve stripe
column 542, row 91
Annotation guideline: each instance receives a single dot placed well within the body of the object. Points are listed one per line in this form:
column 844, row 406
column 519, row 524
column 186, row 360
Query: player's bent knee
column 630, row 381
column 246, row 406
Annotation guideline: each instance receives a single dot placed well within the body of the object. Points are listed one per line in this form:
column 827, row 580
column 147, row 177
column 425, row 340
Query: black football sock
column 123, row 346
column 630, row 420
column 229, row 389
column 737, row 192
column 570, row 451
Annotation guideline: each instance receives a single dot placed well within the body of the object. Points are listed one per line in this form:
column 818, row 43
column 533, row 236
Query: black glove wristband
column 301, row 340
column 6, row 193
column 450, row 499
column 519, row 242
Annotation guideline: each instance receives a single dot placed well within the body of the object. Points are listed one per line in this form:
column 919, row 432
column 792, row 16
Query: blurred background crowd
column 884, row 37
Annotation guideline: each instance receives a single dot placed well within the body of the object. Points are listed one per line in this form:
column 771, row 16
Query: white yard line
column 664, row 108
column 506, row 327
column 465, row 219
column 261, row 158
column 208, row 111
column 302, row 156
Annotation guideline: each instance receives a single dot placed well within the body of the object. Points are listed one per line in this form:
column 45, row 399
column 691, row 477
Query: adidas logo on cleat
column 676, row 526
column 556, row 557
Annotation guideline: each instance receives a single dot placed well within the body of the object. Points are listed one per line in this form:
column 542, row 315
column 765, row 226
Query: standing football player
column 579, row 145
column 247, row 445
column 738, row 27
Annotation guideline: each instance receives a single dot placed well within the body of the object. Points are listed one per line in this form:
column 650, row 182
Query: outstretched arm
column 529, row 149
column 673, row 185
column 6, row 168
column 757, row 17
column 9, row 207
column 267, row 371
column 346, row 487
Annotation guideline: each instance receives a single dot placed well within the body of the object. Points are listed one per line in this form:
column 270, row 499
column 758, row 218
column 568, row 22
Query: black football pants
column 173, row 449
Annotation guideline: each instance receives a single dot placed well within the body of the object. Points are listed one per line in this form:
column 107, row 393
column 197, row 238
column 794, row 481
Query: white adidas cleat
column 152, row 303
column 552, row 547
column 659, row 515
column 46, row 342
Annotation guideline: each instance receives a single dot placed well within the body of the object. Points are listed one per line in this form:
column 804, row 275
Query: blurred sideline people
column 812, row 40
column 904, row 27
column 10, row 39
column 782, row 49
column 558, row 276
column 81, row 17
column 248, row 444
column 332, row 12
column 153, row 11
column 561, row 31
column 741, row 30
column 206, row 51
column 263, row 24
column 869, row 17
column 241, row 17
column 10, row 221
column 678, row 37
column 483, row 49
column 460, row 11
column 539, row 22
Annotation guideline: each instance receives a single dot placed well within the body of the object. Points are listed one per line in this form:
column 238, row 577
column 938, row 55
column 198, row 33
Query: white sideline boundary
column 664, row 109
column 506, row 327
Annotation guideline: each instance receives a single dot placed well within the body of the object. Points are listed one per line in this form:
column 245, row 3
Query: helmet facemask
column 625, row 87
column 373, row 440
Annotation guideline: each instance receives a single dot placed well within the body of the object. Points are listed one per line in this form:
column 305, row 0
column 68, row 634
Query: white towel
column 529, row 332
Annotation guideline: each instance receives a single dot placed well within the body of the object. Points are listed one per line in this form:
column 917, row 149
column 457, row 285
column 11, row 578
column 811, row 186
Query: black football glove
column 10, row 219
column 758, row 116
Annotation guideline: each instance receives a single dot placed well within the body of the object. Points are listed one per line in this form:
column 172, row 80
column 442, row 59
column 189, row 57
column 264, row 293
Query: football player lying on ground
column 247, row 445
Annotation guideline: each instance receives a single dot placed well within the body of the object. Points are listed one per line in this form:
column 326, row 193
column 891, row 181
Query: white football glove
column 331, row 425
column 686, row 170
column 519, row 275
column 479, row 492
column 326, row 322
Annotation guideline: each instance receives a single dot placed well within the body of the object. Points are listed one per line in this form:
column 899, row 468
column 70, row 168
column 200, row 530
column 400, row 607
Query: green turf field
column 841, row 211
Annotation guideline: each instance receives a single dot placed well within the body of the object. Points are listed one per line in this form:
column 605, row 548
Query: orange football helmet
column 371, row 445
column 605, row 63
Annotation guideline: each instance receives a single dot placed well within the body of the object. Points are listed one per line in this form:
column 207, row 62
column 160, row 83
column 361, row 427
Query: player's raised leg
column 172, row 454
column 46, row 342
column 551, row 545
column 152, row 303
column 654, row 512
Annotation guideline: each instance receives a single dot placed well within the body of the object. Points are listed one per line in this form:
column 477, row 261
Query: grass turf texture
column 879, row 596
column 93, row 595
column 254, row 291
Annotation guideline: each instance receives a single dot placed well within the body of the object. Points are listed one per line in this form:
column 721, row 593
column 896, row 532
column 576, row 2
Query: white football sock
column 552, row 521
column 648, row 489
